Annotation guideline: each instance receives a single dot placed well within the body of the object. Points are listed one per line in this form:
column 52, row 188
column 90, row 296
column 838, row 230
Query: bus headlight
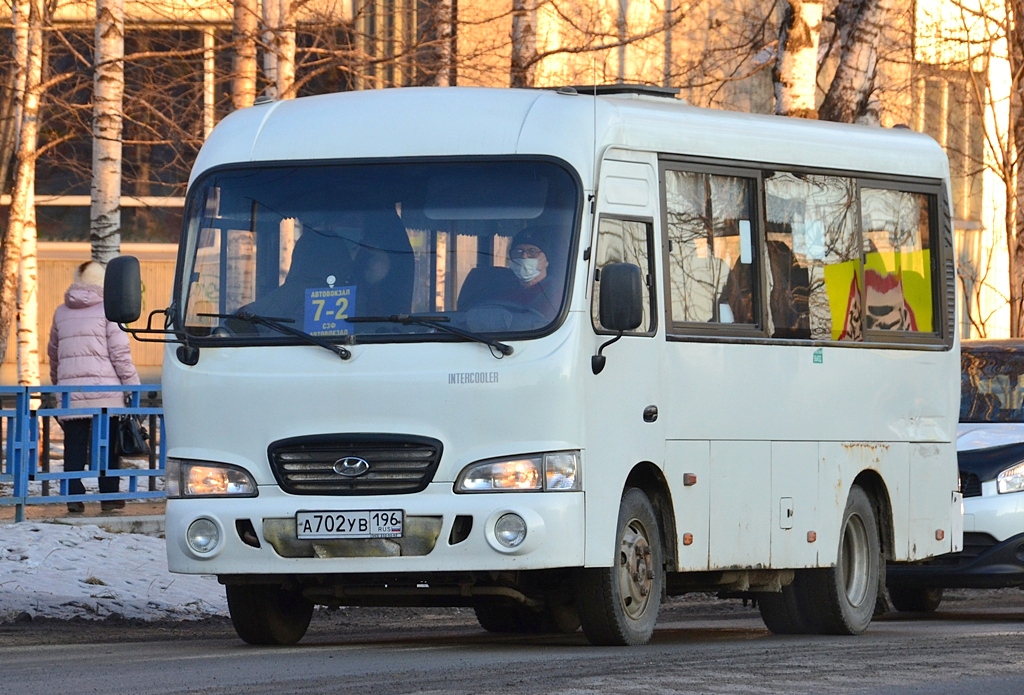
column 1011, row 480
column 187, row 478
column 551, row 471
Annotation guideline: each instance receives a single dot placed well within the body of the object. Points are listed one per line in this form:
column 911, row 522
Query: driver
column 528, row 260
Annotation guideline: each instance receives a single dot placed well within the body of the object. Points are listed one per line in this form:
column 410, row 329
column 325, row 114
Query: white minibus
column 556, row 355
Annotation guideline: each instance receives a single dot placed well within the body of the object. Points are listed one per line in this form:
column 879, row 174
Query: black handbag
column 132, row 437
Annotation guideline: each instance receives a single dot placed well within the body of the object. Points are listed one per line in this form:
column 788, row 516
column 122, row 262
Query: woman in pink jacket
column 86, row 349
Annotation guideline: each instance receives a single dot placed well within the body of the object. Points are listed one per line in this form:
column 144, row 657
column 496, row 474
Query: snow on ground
column 58, row 571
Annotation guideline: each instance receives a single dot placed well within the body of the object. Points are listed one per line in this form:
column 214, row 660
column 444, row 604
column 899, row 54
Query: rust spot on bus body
column 869, row 454
column 866, row 455
column 867, row 446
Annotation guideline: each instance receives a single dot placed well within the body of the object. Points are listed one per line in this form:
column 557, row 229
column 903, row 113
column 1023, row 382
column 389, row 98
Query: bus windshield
column 484, row 247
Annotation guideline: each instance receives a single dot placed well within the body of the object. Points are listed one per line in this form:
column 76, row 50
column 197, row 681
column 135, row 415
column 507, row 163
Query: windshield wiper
column 434, row 321
column 281, row 326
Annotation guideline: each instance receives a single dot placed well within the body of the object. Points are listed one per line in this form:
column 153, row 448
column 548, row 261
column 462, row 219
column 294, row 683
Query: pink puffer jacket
column 86, row 349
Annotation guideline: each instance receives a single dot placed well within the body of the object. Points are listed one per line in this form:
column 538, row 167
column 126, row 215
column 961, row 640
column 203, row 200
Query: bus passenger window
column 897, row 261
column 814, row 257
column 711, row 266
column 624, row 241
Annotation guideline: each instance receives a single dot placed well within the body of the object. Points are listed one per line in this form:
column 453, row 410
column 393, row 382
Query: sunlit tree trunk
column 243, row 79
column 849, row 97
column 28, row 22
column 9, row 106
column 524, row 43
column 1014, row 181
column 442, row 19
column 666, row 71
column 796, row 62
column 108, row 99
column 28, row 280
column 279, row 48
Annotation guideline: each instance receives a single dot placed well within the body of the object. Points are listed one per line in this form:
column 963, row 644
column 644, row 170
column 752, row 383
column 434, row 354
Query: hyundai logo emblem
column 351, row 466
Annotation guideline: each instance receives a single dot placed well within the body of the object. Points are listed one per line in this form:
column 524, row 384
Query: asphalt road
column 973, row 644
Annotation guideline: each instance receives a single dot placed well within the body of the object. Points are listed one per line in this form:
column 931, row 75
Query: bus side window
column 625, row 241
column 897, row 261
column 814, row 257
column 712, row 243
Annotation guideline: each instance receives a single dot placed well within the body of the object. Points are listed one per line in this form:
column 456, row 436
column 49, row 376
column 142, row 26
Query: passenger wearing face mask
column 529, row 262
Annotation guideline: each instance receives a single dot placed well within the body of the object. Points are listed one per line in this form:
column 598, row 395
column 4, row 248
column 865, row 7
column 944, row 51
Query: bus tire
column 840, row 600
column 498, row 618
column 619, row 605
column 265, row 614
column 915, row 599
column 521, row 620
column 781, row 612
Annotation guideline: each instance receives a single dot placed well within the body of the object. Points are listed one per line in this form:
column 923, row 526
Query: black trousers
column 77, row 449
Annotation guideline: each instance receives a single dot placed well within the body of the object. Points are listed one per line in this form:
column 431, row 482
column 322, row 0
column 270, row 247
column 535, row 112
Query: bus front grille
column 354, row 464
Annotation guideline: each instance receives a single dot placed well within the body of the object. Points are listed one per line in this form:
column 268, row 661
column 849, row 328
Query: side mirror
column 122, row 290
column 622, row 303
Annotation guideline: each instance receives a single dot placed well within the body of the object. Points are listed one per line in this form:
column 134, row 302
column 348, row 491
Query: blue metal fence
column 27, row 413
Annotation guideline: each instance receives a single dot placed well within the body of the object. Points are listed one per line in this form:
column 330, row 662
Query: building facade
column 180, row 65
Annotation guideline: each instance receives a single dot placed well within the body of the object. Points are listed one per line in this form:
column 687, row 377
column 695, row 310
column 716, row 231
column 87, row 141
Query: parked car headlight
column 186, row 478
column 552, row 471
column 1011, row 480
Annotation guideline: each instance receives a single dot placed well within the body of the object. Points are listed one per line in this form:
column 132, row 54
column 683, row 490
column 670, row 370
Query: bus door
column 623, row 399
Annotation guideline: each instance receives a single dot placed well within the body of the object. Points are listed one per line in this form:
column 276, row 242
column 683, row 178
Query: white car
column 990, row 452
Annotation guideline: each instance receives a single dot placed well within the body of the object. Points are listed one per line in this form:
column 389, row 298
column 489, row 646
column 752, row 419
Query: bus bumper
column 442, row 531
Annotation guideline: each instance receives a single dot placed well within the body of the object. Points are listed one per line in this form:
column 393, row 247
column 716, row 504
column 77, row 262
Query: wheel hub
column 635, row 571
column 855, row 561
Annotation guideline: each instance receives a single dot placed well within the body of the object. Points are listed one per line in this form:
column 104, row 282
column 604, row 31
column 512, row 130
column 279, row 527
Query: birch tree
column 796, row 62
column 850, row 97
column 990, row 32
column 27, row 18
column 593, row 34
column 442, row 19
column 28, row 271
column 279, row 48
column 1013, row 179
column 108, row 101
column 8, row 124
column 524, row 43
column 243, row 80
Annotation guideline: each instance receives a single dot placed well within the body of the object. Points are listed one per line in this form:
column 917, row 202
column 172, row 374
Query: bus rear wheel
column 915, row 599
column 521, row 620
column 840, row 600
column 618, row 605
column 782, row 613
column 266, row 614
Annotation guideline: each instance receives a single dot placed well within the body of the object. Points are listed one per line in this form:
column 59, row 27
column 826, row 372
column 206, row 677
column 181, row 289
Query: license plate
column 372, row 523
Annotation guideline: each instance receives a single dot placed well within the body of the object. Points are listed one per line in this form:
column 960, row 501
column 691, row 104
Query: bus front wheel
column 266, row 614
column 618, row 605
column 842, row 600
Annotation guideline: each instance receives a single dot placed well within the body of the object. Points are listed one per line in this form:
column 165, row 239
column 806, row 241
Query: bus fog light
column 510, row 530
column 202, row 536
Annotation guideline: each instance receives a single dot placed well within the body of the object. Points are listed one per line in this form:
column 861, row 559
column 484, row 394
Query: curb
column 147, row 525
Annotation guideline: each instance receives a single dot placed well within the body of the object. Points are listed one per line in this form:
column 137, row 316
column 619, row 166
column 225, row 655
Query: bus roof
column 466, row 121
